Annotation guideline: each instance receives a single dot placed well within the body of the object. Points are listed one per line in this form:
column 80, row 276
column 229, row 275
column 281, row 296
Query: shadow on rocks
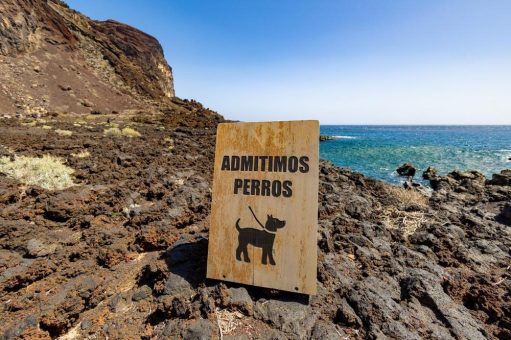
column 258, row 293
column 505, row 215
column 187, row 259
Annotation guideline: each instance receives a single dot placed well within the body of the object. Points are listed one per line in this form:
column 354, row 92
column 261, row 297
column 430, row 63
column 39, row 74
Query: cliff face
column 24, row 22
column 98, row 65
column 137, row 57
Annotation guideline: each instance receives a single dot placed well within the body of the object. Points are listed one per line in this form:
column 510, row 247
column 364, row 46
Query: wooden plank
column 282, row 248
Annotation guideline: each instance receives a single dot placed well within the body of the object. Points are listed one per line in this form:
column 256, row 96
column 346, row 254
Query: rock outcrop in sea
column 121, row 251
column 406, row 170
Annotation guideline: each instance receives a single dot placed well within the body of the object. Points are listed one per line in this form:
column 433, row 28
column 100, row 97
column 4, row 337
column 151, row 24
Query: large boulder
column 468, row 181
column 407, row 170
column 504, row 178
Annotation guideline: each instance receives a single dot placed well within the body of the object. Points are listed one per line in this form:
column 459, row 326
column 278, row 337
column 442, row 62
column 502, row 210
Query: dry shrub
column 30, row 124
column 407, row 196
column 228, row 320
column 114, row 131
column 48, row 172
column 65, row 133
column 405, row 221
column 81, row 154
column 408, row 213
column 129, row 132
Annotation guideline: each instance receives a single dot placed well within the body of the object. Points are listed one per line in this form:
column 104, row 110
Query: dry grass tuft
column 405, row 221
column 170, row 141
column 30, row 124
column 406, row 196
column 46, row 127
column 48, row 172
column 81, row 154
column 129, row 132
column 133, row 208
column 114, row 131
column 228, row 320
column 65, row 133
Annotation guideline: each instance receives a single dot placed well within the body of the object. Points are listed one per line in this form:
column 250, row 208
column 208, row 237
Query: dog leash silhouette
column 263, row 239
column 253, row 214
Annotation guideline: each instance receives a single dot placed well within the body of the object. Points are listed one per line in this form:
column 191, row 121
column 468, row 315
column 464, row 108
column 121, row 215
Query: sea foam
column 344, row 137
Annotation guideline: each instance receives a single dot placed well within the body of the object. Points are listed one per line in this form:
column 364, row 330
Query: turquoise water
column 376, row 151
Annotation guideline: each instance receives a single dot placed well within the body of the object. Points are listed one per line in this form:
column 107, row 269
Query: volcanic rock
column 142, row 293
column 324, row 138
column 201, row 330
column 36, row 248
column 503, row 178
column 407, row 170
column 239, row 298
column 430, row 173
column 287, row 316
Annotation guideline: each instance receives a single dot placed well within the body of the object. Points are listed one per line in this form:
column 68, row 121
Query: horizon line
column 410, row 124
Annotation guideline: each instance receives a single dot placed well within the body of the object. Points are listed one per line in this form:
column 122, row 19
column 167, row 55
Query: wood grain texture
column 295, row 244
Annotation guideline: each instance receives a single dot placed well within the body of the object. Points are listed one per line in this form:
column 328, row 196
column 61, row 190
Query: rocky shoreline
column 120, row 250
column 124, row 251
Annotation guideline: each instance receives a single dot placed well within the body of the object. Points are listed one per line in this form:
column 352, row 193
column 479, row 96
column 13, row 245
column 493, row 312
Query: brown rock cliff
column 97, row 65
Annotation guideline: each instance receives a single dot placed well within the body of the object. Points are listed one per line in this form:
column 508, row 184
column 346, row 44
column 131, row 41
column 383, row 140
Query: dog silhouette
column 258, row 238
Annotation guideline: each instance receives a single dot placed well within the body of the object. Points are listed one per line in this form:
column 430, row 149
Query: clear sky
column 342, row 62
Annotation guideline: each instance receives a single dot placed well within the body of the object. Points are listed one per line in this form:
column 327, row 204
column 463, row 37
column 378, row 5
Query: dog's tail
column 238, row 225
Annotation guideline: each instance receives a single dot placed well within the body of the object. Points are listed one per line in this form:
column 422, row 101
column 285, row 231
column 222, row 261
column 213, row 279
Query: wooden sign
column 264, row 212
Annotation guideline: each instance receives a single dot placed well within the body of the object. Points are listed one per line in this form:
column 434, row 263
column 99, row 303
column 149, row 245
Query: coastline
column 378, row 150
column 375, row 242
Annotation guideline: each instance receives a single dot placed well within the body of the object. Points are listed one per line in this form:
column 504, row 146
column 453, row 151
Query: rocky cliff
column 54, row 58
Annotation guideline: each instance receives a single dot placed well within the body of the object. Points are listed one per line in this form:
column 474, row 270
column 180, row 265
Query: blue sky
column 342, row 62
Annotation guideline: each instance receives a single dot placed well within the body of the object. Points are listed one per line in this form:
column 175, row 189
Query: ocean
column 376, row 151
